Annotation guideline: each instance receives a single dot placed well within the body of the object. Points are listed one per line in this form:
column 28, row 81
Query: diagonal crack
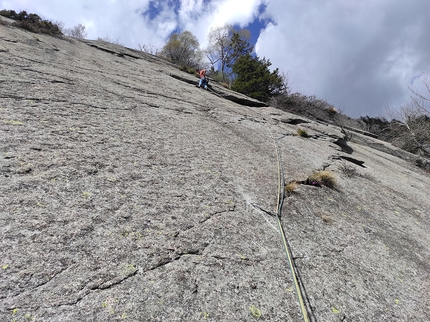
column 50, row 278
column 115, row 281
column 119, row 279
column 178, row 256
column 86, row 290
column 264, row 210
column 232, row 209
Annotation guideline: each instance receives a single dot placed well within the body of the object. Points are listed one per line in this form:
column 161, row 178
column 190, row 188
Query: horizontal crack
column 32, row 99
column 120, row 54
column 89, row 105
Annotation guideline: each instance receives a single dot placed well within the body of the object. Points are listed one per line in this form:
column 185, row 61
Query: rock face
column 127, row 193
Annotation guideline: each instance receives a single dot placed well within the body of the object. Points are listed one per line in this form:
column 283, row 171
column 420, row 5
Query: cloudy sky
column 359, row 55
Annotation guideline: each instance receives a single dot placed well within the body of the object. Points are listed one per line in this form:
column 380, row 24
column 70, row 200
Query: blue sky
column 359, row 55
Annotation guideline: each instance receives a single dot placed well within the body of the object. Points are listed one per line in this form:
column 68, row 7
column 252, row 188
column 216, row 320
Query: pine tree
column 254, row 78
column 239, row 46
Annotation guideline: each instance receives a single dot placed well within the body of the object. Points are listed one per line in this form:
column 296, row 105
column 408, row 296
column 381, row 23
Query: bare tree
column 77, row 31
column 285, row 80
column 226, row 45
column 219, row 42
column 420, row 101
column 149, row 49
column 110, row 40
column 414, row 119
column 211, row 54
column 60, row 26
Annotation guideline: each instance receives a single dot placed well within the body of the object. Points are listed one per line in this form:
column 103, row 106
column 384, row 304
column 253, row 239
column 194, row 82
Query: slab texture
column 128, row 194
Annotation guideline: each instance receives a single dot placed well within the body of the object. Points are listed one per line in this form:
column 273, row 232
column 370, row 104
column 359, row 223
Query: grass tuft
column 290, row 187
column 331, row 110
column 302, row 133
column 322, row 178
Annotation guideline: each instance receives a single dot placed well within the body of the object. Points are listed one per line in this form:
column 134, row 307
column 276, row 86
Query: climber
column 204, row 80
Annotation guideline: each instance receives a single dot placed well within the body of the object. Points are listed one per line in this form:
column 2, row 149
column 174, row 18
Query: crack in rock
column 119, row 54
column 165, row 261
column 352, row 160
column 217, row 213
column 87, row 289
column 115, row 281
column 294, row 121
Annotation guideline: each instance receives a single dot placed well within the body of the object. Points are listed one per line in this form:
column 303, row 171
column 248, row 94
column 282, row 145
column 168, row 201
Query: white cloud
column 359, row 55
column 199, row 17
column 234, row 11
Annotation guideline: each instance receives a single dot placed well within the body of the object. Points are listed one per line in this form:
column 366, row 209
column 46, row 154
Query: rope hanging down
column 281, row 195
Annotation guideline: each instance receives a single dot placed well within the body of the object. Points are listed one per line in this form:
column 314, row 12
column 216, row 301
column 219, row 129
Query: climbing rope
column 280, row 202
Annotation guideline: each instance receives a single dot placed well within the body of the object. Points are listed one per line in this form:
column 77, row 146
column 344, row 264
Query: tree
column 219, row 40
column 414, row 119
column 32, row 22
column 239, row 46
column 226, row 45
column 422, row 101
column 182, row 48
column 149, row 49
column 110, row 40
column 253, row 78
column 60, row 26
column 77, row 31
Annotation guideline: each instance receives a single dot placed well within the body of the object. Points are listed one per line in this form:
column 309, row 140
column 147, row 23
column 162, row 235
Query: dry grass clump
column 331, row 110
column 290, row 187
column 322, row 178
column 302, row 133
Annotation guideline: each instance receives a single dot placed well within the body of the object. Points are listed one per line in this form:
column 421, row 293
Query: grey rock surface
column 128, row 194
